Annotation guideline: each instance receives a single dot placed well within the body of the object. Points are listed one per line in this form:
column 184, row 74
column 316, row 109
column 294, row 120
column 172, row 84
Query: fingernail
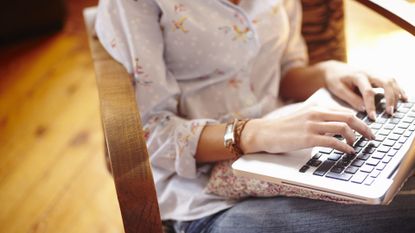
column 373, row 115
column 391, row 110
column 362, row 108
column 352, row 151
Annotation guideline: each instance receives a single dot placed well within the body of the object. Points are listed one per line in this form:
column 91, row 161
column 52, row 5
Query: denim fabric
column 284, row 214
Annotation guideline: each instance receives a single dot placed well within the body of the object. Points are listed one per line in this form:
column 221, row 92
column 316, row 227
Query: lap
column 284, row 214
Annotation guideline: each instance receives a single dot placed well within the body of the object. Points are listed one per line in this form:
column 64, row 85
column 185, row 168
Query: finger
column 399, row 93
column 337, row 128
column 350, row 119
column 347, row 95
column 327, row 141
column 390, row 96
column 340, row 108
column 404, row 96
column 366, row 90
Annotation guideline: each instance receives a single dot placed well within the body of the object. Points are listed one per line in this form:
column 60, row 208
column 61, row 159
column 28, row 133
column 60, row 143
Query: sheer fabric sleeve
column 295, row 54
column 130, row 31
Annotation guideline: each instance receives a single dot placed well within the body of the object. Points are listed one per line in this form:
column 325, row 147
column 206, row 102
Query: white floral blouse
column 198, row 62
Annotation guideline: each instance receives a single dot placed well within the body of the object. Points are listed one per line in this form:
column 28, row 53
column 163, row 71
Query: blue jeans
column 284, row 214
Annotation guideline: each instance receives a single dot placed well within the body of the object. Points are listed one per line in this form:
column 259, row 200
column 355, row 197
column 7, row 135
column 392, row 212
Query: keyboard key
column 369, row 181
column 375, row 143
column 324, row 167
column 403, row 125
column 380, row 138
column 389, row 126
column 387, row 159
column 382, row 120
column 384, row 132
column 334, row 157
column 314, row 162
column 369, row 149
column 367, row 168
column 412, row 128
column 363, row 156
column 394, row 121
column 394, row 137
column 384, row 148
column 392, row 152
column 304, row 168
column 337, row 169
column 349, row 157
column 357, row 149
column 368, row 121
column 375, row 173
column 378, row 155
column 380, row 107
column 407, row 134
column 339, row 137
column 358, row 163
column 398, row 115
column 408, row 119
column 359, row 177
column 343, row 176
column 375, row 126
column 403, row 110
column 402, row 139
column 381, row 166
column 326, row 150
column 361, row 115
column 407, row 104
column 372, row 161
column 399, row 131
column 316, row 156
column 397, row 146
column 351, row 169
column 343, row 162
column 338, row 152
column 389, row 142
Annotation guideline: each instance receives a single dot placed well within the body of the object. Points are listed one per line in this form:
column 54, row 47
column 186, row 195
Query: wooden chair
column 323, row 29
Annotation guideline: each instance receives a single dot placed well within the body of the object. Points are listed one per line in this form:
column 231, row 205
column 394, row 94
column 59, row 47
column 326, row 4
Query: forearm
column 300, row 83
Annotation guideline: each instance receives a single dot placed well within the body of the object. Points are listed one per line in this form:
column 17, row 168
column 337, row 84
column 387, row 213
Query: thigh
column 282, row 214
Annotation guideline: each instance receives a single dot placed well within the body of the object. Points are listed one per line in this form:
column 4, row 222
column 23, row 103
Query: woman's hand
column 345, row 82
column 312, row 126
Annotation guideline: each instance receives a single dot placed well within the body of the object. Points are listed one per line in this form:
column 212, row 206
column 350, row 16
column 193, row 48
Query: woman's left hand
column 346, row 82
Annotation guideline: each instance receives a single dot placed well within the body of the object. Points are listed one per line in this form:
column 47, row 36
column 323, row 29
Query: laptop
column 373, row 175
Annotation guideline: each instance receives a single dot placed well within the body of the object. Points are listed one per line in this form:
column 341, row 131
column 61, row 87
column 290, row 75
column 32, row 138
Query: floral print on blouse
column 198, row 62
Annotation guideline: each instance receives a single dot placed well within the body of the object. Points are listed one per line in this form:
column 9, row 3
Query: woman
column 201, row 63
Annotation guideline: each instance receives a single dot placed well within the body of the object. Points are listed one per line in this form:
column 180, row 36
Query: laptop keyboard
column 371, row 157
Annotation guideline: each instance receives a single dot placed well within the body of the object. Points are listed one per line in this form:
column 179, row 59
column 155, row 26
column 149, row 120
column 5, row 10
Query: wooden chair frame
column 125, row 144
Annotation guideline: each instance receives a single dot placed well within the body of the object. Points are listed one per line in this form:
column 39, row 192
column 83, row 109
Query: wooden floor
column 52, row 172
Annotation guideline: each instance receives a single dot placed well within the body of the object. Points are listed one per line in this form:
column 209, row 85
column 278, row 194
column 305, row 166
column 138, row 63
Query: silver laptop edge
column 279, row 169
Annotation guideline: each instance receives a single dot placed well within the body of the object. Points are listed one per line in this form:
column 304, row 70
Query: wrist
column 248, row 141
column 324, row 69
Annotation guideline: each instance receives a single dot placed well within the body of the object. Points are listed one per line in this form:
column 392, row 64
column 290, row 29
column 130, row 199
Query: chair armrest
column 399, row 12
column 123, row 133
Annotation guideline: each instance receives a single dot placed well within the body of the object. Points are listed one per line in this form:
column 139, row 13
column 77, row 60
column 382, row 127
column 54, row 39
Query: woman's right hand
column 309, row 127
